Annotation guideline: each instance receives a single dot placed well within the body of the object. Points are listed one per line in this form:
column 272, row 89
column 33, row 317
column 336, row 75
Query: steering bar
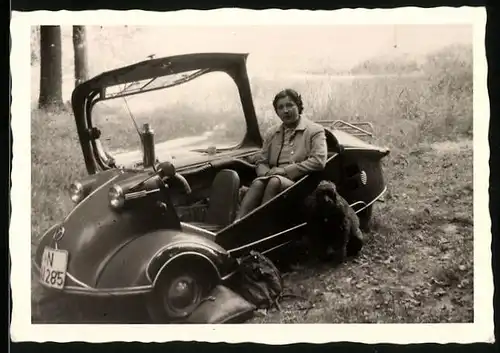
column 169, row 171
column 184, row 182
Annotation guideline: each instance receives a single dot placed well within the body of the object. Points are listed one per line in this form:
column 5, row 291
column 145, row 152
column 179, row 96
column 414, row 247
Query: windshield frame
column 124, row 93
column 87, row 94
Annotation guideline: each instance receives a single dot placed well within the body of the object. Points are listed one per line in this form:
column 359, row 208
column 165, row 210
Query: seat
column 332, row 143
column 223, row 201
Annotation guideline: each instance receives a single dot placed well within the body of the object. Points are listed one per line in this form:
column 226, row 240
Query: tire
column 365, row 217
column 164, row 306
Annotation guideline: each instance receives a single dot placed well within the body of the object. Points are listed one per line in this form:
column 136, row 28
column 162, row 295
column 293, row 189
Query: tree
column 80, row 49
column 50, row 68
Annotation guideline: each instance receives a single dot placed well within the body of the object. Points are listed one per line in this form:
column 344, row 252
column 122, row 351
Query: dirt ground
column 416, row 266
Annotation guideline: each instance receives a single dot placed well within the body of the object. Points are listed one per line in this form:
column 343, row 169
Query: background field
column 418, row 263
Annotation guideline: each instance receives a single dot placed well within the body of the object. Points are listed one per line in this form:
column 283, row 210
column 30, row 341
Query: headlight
column 76, row 192
column 116, row 196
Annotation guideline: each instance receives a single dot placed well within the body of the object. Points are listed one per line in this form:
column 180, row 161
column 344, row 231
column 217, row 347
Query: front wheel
column 178, row 291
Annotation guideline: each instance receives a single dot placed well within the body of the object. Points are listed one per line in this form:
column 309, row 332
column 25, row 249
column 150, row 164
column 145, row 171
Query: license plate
column 53, row 268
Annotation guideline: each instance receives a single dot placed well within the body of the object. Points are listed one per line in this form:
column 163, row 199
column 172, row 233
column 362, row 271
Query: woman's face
column 287, row 110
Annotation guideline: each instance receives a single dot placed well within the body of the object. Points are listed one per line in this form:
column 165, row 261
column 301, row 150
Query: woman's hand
column 276, row 171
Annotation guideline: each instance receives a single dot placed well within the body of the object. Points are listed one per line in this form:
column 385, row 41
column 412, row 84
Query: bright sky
column 272, row 47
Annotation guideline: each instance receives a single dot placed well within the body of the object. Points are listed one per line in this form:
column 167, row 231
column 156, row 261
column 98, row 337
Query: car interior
column 215, row 205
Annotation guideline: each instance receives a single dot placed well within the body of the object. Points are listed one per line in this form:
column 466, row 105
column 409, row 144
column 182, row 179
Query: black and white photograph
column 257, row 167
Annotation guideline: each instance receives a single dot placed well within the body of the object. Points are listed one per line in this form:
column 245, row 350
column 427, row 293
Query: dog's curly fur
column 332, row 223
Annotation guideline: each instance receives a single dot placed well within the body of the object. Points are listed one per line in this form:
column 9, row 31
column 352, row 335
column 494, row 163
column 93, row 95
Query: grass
column 417, row 265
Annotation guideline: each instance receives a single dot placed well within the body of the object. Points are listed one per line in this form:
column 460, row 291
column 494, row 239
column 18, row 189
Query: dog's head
column 326, row 193
column 322, row 198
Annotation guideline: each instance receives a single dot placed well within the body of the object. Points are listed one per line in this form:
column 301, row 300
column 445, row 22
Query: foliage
column 35, row 44
column 386, row 65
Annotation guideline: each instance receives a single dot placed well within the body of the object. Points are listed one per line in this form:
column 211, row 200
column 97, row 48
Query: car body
column 162, row 228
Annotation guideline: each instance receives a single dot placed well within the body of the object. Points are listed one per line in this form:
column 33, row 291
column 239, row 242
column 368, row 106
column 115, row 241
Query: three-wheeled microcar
column 154, row 218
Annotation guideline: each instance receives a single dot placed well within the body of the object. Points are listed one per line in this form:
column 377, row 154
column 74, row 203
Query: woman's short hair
column 293, row 95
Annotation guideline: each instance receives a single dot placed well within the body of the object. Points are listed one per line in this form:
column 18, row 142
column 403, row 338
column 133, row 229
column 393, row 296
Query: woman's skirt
column 285, row 182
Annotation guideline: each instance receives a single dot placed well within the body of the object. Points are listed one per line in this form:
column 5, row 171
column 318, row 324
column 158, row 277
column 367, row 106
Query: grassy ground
column 418, row 263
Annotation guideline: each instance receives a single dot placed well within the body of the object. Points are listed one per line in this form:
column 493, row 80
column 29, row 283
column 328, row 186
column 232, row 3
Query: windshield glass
column 188, row 111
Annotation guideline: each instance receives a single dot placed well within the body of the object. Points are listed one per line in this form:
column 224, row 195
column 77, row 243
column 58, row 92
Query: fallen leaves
column 389, row 260
column 413, row 301
column 439, row 283
column 439, row 292
column 417, row 267
column 464, row 283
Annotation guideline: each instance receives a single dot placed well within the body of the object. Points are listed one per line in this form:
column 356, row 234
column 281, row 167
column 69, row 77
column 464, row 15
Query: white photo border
column 19, row 241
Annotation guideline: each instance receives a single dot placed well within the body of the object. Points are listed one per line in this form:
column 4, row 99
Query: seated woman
column 290, row 150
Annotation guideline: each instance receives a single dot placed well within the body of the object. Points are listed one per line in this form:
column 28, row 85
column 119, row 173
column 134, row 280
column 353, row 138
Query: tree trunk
column 50, row 68
column 80, row 48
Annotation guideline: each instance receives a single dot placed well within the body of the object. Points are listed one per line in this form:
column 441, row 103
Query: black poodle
column 333, row 226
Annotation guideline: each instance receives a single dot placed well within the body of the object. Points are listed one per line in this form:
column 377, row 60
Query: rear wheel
column 365, row 217
column 180, row 288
